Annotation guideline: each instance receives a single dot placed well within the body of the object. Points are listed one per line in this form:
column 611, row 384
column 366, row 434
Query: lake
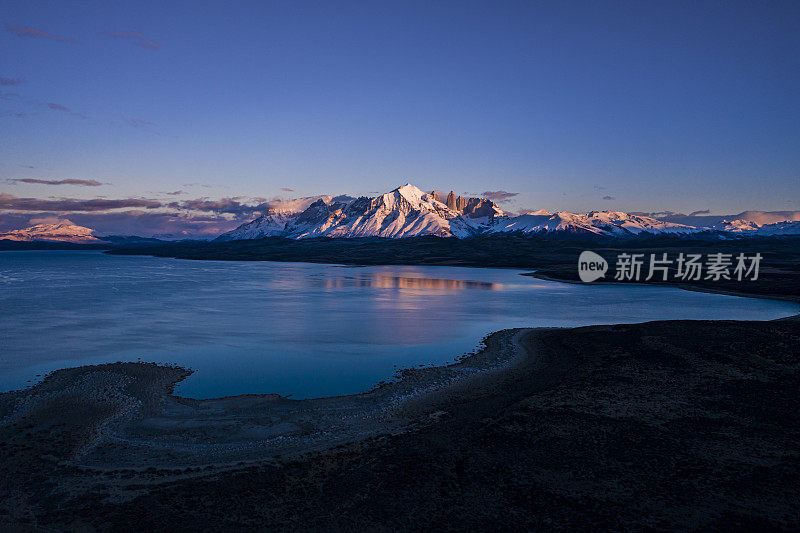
column 298, row 329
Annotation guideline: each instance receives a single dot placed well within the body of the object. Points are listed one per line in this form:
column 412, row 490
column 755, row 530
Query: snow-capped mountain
column 404, row 212
column 751, row 227
column 735, row 226
column 273, row 222
column 62, row 232
column 780, row 228
column 612, row 223
column 745, row 222
column 410, row 212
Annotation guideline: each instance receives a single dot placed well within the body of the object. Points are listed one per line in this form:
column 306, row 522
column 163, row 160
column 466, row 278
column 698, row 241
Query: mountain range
column 410, row 212
column 407, row 211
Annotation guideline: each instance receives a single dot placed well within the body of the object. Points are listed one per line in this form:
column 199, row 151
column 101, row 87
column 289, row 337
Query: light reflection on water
column 400, row 282
column 294, row 328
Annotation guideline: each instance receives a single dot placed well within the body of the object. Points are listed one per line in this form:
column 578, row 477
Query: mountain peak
column 409, row 190
column 539, row 212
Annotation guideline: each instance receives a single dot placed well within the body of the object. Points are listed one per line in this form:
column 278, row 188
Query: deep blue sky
column 678, row 106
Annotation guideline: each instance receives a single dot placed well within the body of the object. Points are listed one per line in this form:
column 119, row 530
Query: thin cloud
column 49, row 219
column 223, row 205
column 608, row 198
column 25, row 32
column 287, row 189
column 138, row 123
column 673, row 214
column 13, row 203
column 9, row 82
column 136, row 38
column 52, row 106
column 174, row 193
column 69, row 181
column 499, row 196
column 60, row 108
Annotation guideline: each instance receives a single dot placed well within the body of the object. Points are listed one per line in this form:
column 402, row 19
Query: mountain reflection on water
column 294, row 328
column 404, row 282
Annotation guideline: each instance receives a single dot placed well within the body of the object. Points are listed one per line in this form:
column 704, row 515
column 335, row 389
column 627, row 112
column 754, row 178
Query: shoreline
column 152, row 426
column 658, row 425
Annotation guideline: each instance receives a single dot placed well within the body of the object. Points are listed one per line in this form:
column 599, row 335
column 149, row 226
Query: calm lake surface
column 298, row 329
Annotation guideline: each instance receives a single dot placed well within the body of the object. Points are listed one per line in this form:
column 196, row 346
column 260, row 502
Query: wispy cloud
column 499, row 196
column 608, row 198
column 701, row 212
column 8, row 82
column 138, row 123
column 69, row 181
column 60, row 108
column 136, row 38
column 49, row 219
column 26, row 32
column 174, row 193
column 287, row 189
column 52, row 106
column 224, row 205
column 656, row 214
column 14, row 203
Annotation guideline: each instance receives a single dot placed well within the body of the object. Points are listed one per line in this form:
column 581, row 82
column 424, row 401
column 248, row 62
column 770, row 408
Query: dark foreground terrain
column 657, row 426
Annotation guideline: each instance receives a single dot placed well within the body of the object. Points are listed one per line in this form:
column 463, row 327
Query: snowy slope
column 273, row 222
column 62, row 232
column 597, row 223
column 619, row 222
column 736, row 226
column 404, row 212
column 761, row 223
column 780, row 228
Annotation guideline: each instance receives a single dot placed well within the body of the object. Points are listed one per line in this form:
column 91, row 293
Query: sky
column 188, row 116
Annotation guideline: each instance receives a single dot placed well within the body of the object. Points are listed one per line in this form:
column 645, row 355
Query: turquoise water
column 298, row 329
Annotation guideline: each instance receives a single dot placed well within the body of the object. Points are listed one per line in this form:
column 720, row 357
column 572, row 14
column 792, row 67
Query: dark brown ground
column 657, row 426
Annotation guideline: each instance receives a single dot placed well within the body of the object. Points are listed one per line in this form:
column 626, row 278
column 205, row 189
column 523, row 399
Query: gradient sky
column 635, row 106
